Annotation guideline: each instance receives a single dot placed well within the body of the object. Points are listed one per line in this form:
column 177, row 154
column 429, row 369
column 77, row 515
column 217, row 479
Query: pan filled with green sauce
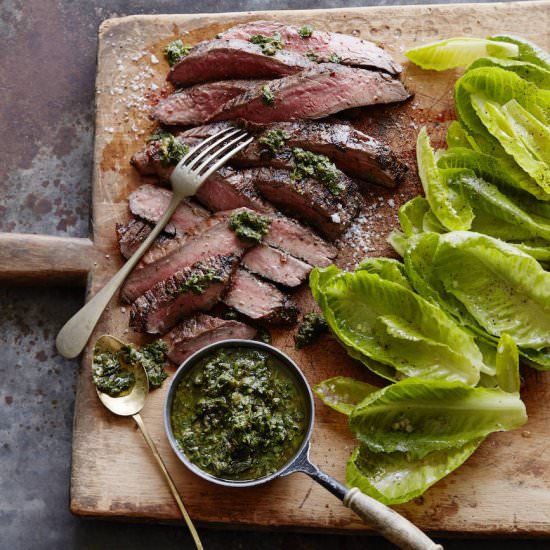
column 239, row 413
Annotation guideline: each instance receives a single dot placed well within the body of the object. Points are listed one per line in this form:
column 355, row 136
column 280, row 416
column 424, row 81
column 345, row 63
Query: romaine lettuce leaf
column 422, row 416
column 528, row 71
column 386, row 268
column 342, row 393
column 458, row 52
column 507, row 364
column 394, row 478
column 457, row 136
column 411, row 215
column 527, row 51
column 392, row 325
column 449, row 206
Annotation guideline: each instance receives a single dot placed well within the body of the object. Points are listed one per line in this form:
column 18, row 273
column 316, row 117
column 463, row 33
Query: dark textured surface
column 47, row 70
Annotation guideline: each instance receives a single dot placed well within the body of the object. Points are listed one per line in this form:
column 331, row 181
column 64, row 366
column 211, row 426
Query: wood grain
column 43, row 260
column 503, row 489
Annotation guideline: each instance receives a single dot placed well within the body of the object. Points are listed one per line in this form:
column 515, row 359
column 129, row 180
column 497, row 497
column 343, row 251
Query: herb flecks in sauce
column 268, row 97
column 175, row 51
column 274, row 140
column 109, row 375
column 333, row 58
column 312, row 327
column 263, row 335
column 199, row 280
column 305, row 32
column 311, row 55
column 312, row 165
column 238, row 414
column 152, row 357
column 249, row 225
column 270, row 45
column 170, row 150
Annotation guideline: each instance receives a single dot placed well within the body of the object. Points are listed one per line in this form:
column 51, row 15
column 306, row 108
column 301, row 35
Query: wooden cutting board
column 503, row 489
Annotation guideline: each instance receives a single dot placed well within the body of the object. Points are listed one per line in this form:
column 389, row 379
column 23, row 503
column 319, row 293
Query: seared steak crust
column 199, row 103
column 202, row 330
column 350, row 50
column 316, row 92
column 233, row 59
column 170, row 300
column 260, row 301
column 308, row 199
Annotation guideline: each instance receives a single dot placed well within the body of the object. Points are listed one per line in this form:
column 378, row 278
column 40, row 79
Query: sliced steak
column 309, row 200
column 131, row 235
column 202, row 330
column 149, row 202
column 178, row 296
column 217, row 240
column 275, row 265
column 299, row 241
column 316, row 92
column 228, row 189
column 324, row 45
column 259, row 300
column 233, row 59
column 199, row 103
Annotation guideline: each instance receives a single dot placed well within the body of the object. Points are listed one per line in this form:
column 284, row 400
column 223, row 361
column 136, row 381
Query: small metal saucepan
column 383, row 519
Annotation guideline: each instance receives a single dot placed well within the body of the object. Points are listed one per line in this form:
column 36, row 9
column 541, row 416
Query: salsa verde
column 239, row 414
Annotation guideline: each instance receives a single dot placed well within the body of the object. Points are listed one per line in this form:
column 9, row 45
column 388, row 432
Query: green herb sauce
column 305, row 32
column 312, row 165
column 152, row 358
column 274, row 140
column 333, row 58
column 311, row 55
column 170, row 150
column 270, row 45
column 175, row 51
column 310, row 330
column 268, row 97
column 263, row 335
column 110, row 375
column 239, row 414
column 199, row 280
column 249, row 225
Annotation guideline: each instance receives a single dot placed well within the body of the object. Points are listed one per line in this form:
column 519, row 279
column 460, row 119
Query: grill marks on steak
column 275, row 265
column 168, row 301
column 350, row 50
column 310, row 200
column 201, row 102
column 316, row 92
column 233, row 59
column 202, row 330
column 260, row 301
column 216, row 240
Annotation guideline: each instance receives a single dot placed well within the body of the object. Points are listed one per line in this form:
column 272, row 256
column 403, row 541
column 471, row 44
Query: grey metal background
column 47, row 71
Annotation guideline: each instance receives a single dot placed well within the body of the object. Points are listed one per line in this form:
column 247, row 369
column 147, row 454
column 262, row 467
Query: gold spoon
column 130, row 405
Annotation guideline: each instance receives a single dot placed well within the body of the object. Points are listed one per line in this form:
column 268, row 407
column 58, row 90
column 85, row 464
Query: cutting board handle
column 44, row 260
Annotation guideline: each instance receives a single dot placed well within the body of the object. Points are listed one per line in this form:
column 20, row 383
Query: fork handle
column 76, row 332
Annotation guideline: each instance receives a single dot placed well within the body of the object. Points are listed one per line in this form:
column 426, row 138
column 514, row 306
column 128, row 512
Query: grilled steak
column 217, row 240
column 309, row 199
column 275, row 265
column 199, row 103
column 194, row 288
column 131, row 235
column 202, row 330
column 233, row 59
column 149, row 202
column 324, row 45
column 259, row 300
column 316, row 92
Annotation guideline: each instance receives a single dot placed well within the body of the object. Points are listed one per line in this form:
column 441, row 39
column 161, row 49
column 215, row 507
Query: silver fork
column 191, row 171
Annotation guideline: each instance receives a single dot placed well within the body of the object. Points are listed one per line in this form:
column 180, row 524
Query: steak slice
column 325, row 45
column 131, row 235
column 202, row 330
column 179, row 295
column 233, row 59
column 149, row 202
column 260, row 301
column 309, row 200
column 217, row 240
column 276, row 265
column 199, row 103
column 316, row 92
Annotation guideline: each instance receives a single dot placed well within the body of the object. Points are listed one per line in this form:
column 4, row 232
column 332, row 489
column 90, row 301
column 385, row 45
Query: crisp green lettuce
column 394, row 478
column 386, row 268
column 418, row 417
column 458, row 52
column 527, row 51
column 388, row 323
column 449, row 206
column 342, row 393
column 411, row 215
column 528, row 71
column 507, row 364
